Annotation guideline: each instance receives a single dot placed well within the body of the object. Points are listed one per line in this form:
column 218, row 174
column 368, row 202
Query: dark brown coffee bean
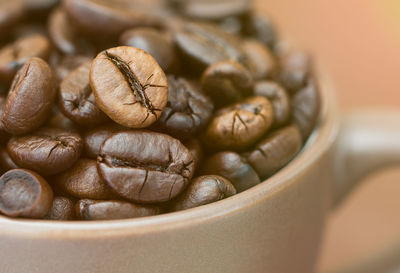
column 11, row 12
column 63, row 209
column 110, row 210
column 260, row 61
column 260, row 27
column 60, row 121
column 154, row 42
column 24, row 193
column 275, row 151
column 6, row 162
column 233, row 167
column 83, row 181
column 65, row 36
column 154, row 169
column 202, row 45
column 67, row 64
column 48, row 151
column 14, row 55
column 227, row 82
column 295, row 70
column 195, row 148
column 306, row 105
column 31, row 98
column 129, row 86
column 187, row 112
column 202, row 191
column 94, row 138
column 239, row 126
column 279, row 98
column 76, row 99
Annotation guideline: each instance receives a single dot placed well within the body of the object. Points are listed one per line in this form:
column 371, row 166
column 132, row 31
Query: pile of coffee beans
column 116, row 109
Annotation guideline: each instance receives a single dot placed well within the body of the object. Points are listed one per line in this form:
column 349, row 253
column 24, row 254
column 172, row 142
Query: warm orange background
column 357, row 42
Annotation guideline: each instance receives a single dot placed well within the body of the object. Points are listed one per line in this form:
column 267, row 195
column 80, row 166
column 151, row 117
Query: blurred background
column 357, row 42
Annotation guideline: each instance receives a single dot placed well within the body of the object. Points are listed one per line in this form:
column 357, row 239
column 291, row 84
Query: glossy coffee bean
column 48, row 151
column 306, row 104
column 65, row 36
column 83, row 181
column 62, row 208
column 76, row 99
column 213, row 9
column 129, row 86
column 260, row 61
column 69, row 63
column 260, row 27
column 295, row 70
column 6, row 162
column 87, row 209
column 154, row 42
column 31, row 98
column 202, row 191
column 16, row 54
column 279, row 98
column 275, row 151
column 239, row 126
column 24, row 193
column 195, row 148
column 233, row 167
column 94, row 138
column 154, row 169
column 202, row 45
column 187, row 112
column 11, row 12
column 227, row 82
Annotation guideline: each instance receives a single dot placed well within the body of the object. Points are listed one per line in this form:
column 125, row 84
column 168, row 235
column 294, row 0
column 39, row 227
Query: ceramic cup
column 275, row 227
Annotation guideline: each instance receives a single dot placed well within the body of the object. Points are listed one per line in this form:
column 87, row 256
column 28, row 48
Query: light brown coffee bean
column 295, row 70
column 63, row 209
column 260, row 60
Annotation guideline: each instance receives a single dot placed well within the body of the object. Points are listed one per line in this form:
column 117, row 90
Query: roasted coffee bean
column 94, row 138
column 6, row 162
column 239, row 126
column 295, row 70
column 60, row 121
column 187, row 112
column 108, row 17
column 279, row 98
column 275, row 151
column 39, row 8
column 31, row 98
column 14, row 55
column 213, row 9
column 63, row 208
column 129, row 86
column 154, row 169
column 3, row 134
column 110, row 210
column 11, row 12
column 260, row 27
column 65, row 36
column 76, row 99
column 69, row 63
column 195, row 148
column 154, row 42
column 233, row 167
column 202, row 191
column 202, row 45
column 227, row 82
column 24, row 193
column 306, row 104
column 48, row 151
column 260, row 61
column 83, row 181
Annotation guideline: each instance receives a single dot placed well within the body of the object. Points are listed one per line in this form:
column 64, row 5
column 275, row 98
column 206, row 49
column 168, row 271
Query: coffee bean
column 24, row 193
column 195, row 148
column 63, row 208
column 31, row 97
column 76, row 99
column 260, row 62
column 202, row 191
column 4, row 136
column 295, row 70
column 39, row 8
column 94, row 138
column 48, row 151
column 67, row 64
column 202, row 45
column 6, row 161
column 227, row 82
column 154, row 42
column 129, row 86
column 279, row 98
column 260, row 27
column 154, row 169
column 11, row 12
column 83, row 181
column 238, row 126
column 306, row 104
column 187, row 112
column 110, row 210
column 14, row 55
column 233, row 167
column 65, row 36
column 275, row 151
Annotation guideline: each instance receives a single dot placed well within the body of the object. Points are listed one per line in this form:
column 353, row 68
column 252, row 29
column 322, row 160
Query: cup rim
column 318, row 144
